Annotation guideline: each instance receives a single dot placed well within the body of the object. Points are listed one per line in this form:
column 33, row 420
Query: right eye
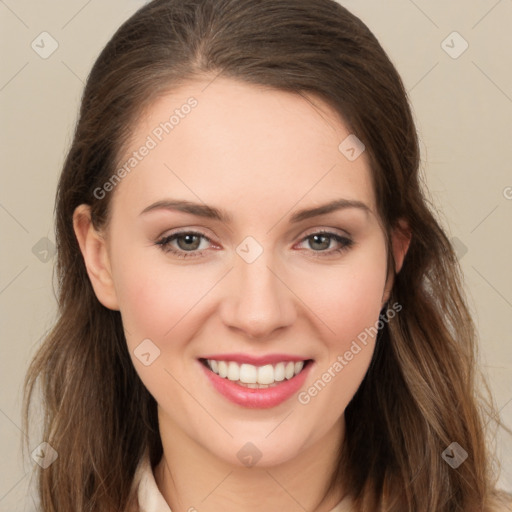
column 190, row 238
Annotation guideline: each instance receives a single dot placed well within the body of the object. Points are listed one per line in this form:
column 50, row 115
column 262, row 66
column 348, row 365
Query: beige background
column 463, row 108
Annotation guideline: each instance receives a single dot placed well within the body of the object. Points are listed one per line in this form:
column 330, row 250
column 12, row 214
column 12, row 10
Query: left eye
column 188, row 243
column 315, row 238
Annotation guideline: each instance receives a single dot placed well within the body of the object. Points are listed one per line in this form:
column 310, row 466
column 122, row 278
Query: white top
column 151, row 499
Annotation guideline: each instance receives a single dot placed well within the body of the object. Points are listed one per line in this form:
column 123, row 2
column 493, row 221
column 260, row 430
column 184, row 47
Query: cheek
column 349, row 308
column 158, row 303
column 346, row 298
column 155, row 301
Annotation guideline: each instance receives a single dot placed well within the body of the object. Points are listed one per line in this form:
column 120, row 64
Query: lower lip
column 257, row 398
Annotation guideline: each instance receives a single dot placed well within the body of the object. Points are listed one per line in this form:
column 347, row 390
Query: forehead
column 241, row 146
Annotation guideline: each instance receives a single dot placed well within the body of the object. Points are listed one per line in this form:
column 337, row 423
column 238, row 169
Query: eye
column 322, row 240
column 188, row 243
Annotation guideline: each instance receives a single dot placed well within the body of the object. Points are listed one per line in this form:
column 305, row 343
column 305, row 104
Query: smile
column 255, row 377
column 256, row 387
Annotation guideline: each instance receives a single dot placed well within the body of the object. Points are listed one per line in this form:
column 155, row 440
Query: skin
column 261, row 155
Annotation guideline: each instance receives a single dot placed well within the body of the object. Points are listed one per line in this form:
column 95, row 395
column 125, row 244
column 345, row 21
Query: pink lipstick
column 254, row 397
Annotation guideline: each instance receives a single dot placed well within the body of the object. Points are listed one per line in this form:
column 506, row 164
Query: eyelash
column 164, row 244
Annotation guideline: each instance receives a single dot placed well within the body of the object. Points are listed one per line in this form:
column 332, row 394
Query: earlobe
column 94, row 251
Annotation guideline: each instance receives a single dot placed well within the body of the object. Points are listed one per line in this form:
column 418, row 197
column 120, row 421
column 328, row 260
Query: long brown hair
column 421, row 391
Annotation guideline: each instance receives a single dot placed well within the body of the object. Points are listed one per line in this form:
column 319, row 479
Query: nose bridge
column 259, row 301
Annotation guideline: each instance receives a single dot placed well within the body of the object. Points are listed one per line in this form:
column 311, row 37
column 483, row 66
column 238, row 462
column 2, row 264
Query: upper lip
column 256, row 360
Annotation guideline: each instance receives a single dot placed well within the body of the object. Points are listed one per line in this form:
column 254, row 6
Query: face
column 256, row 283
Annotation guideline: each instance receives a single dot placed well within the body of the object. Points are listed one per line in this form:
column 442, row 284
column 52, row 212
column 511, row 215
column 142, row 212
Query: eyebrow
column 210, row 212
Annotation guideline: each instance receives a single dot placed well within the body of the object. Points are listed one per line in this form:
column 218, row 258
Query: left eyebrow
column 210, row 212
column 338, row 204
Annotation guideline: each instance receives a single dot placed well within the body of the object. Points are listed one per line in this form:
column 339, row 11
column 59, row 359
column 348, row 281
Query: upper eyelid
column 327, row 230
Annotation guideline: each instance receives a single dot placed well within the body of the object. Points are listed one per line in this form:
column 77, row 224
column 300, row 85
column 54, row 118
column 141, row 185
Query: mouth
column 256, row 377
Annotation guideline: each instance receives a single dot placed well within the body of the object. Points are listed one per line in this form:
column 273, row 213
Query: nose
column 258, row 301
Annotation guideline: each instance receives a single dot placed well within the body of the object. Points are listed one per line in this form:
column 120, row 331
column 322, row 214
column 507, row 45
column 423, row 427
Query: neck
column 192, row 478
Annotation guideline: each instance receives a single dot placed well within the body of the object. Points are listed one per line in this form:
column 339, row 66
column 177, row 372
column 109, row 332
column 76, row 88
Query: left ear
column 400, row 241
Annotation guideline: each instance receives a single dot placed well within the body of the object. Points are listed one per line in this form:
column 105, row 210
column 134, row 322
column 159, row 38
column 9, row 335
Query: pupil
column 316, row 237
column 189, row 238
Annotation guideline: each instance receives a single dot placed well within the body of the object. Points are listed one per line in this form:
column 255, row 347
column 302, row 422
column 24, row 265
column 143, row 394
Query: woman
column 209, row 354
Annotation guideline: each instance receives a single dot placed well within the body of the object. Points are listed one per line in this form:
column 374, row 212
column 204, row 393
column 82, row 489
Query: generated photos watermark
column 342, row 360
column 152, row 140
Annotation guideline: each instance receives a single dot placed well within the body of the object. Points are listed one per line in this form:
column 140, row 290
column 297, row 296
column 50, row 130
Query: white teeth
column 223, row 368
column 279, row 372
column 233, row 371
column 265, row 374
column 252, row 376
column 248, row 373
column 289, row 371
